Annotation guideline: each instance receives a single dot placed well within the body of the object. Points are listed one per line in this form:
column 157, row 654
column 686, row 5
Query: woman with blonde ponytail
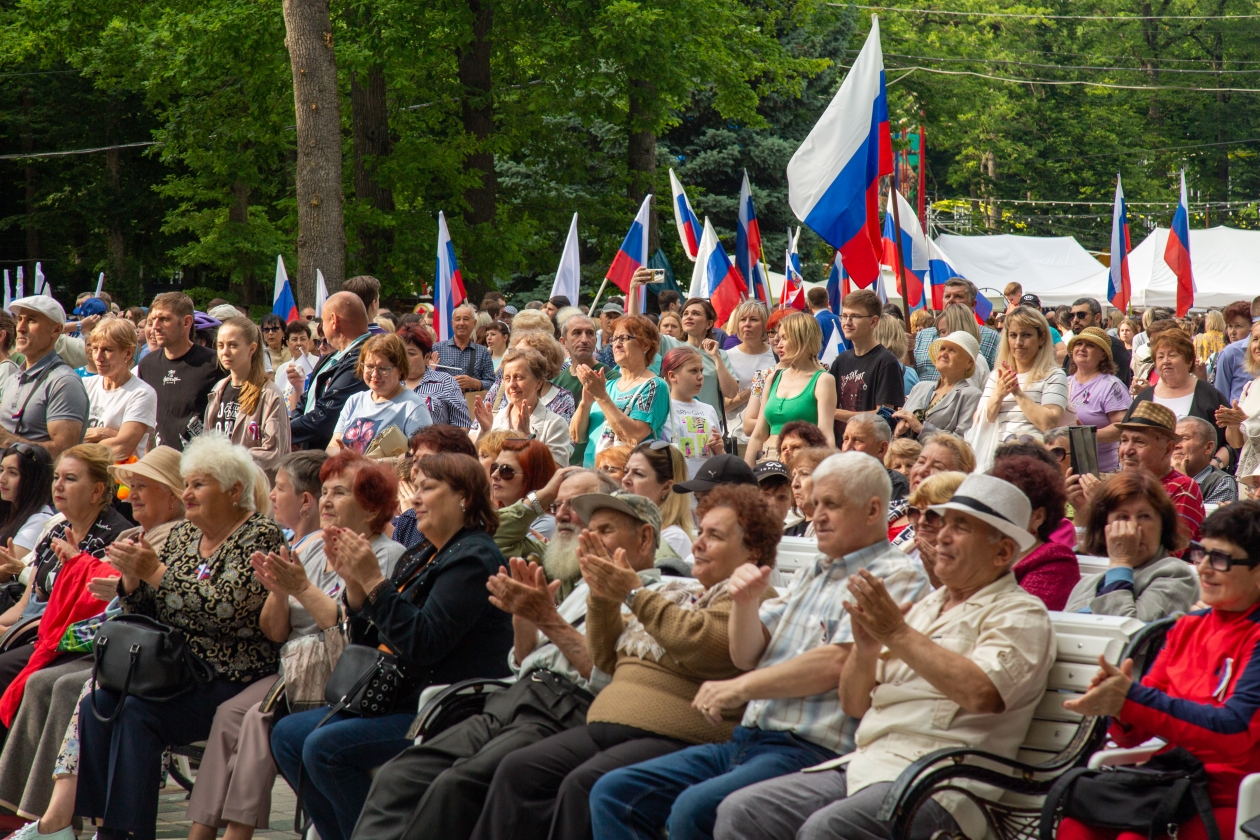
column 246, row 405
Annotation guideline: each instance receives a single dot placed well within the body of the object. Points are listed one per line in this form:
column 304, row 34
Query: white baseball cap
column 44, row 305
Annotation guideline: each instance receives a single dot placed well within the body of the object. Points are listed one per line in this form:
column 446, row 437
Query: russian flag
column 793, row 293
column 837, row 284
column 984, row 308
column 718, row 279
column 1177, row 253
column 833, row 179
column 748, row 246
column 634, row 249
column 282, row 301
column 689, row 228
column 914, row 252
column 448, row 285
column 939, row 270
column 1118, row 288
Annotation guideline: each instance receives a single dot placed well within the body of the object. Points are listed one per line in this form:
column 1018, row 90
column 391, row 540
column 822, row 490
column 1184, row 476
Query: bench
column 794, row 554
column 1057, row 739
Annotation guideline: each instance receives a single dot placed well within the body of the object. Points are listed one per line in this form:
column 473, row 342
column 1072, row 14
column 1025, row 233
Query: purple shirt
column 1092, row 402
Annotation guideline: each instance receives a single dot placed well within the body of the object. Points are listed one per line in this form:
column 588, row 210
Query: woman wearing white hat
column 949, row 403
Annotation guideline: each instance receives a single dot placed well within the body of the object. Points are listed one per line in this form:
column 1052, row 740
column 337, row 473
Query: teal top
column 647, row 402
column 804, row 406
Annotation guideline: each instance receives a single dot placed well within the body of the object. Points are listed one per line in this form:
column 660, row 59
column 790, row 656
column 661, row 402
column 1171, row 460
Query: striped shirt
column 474, row 360
column 1187, row 500
column 812, row 613
column 444, row 399
column 923, row 362
column 1011, row 420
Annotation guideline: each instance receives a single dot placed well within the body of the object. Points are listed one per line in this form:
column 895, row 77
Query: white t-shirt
column 1053, row 390
column 28, row 535
column 746, row 366
column 1179, row 406
column 282, row 374
column 677, row 539
column 134, row 402
column 362, row 419
column 688, row 427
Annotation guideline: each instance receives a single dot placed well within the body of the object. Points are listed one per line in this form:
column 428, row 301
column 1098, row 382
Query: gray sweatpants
column 814, row 806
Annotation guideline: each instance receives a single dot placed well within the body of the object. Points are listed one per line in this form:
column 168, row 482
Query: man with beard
column 438, row 788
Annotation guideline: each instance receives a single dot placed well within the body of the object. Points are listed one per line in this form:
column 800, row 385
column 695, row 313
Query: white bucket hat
column 1004, row 506
column 963, row 340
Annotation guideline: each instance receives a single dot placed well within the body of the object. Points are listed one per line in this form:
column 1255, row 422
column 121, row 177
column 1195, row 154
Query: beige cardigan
column 265, row 432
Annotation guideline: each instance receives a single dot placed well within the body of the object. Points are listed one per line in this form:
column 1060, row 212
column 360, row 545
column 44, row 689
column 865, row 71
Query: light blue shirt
column 1231, row 376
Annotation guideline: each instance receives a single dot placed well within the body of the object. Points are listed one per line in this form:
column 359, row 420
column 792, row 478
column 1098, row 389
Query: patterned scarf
column 686, row 593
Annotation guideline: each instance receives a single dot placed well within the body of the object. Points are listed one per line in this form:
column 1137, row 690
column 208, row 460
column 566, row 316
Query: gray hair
column 607, row 484
column 302, row 469
column 861, row 476
column 875, row 423
column 572, row 318
column 1203, row 430
column 1055, row 433
column 213, row 453
column 467, row 306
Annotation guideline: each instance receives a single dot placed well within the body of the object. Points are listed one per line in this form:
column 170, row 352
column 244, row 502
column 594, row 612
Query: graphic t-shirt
column 183, row 390
column 863, row 383
column 224, row 419
column 688, row 427
column 362, row 419
column 134, row 402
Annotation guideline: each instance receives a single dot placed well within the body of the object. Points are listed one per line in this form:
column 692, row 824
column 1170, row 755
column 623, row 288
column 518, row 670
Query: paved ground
column 173, row 802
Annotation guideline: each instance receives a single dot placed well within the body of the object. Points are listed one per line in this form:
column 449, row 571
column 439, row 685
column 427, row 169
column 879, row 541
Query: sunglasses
column 272, row 329
column 1220, row 561
column 28, row 450
column 930, row 518
column 1058, row 452
column 507, row 472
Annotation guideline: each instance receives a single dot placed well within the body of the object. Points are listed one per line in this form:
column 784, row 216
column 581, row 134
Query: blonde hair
column 531, row 319
column 964, row 455
column 921, row 319
column 97, row 457
column 1019, row 318
column 118, row 333
column 936, row 489
column 491, row 443
column 673, row 315
column 1249, row 359
column 892, row 334
column 904, row 448
column 801, row 336
column 749, row 306
column 958, row 318
column 544, row 342
column 251, row 391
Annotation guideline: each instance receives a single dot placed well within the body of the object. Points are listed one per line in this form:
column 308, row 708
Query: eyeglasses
column 621, row 339
column 930, row 518
column 1220, row 561
column 558, row 506
column 1079, row 316
column 1058, row 452
column 383, row 370
column 507, row 472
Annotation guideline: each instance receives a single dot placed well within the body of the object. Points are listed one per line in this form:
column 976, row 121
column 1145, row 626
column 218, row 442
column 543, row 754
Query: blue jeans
column 681, row 791
column 335, row 761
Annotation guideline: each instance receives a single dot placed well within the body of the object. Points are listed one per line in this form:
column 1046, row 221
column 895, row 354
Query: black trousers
column 438, row 788
column 544, row 791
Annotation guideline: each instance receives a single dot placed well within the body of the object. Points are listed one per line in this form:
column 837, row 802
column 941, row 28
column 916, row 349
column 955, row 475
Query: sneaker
column 31, row 831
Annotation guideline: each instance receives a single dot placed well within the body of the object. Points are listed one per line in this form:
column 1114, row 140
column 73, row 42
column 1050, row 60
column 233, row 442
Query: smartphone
column 1084, row 454
column 658, row 276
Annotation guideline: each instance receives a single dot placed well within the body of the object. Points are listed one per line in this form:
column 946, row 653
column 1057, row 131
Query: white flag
column 39, row 279
column 321, row 293
column 833, row 348
column 21, row 285
column 8, row 297
column 568, row 280
column 100, row 284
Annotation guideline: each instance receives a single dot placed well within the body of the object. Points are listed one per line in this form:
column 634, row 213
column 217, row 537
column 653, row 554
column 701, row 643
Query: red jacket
column 1050, row 571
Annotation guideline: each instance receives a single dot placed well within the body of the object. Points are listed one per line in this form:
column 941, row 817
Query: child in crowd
column 901, row 455
column 693, row 426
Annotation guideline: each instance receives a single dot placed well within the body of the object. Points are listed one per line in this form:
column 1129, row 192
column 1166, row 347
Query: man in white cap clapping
column 46, row 403
column 965, row 667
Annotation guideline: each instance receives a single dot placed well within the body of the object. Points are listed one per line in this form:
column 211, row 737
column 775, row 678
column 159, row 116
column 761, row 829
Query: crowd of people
column 590, row 507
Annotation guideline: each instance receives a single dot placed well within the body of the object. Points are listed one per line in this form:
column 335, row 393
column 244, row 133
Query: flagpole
column 901, row 260
column 591, row 311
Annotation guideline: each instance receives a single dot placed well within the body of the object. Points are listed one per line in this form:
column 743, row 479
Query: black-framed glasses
column 1221, row 561
column 1024, row 439
column 507, row 472
column 1058, row 452
column 273, row 328
column 621, row 339
column 1079, row 316
column 930, row 518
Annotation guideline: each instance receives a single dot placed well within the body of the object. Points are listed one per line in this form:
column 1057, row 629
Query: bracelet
column 376, row 590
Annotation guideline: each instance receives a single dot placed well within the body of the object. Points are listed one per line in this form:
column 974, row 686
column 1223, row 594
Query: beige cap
column 161, row 464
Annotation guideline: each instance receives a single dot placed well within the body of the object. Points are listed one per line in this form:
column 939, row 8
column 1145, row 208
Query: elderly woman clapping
column 203, row 585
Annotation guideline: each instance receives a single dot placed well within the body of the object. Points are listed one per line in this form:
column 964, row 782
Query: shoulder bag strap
column 39, row 380
column 1048, row 826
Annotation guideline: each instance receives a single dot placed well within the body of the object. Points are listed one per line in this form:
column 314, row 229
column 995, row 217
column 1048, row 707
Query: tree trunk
column 321, row 226
column 641, row 150
column 244, row 283
column 481, row 197
column 372, row 144
column 114, row 228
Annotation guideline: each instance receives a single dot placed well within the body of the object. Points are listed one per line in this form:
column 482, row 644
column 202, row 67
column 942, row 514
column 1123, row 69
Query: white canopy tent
column 1053, row 268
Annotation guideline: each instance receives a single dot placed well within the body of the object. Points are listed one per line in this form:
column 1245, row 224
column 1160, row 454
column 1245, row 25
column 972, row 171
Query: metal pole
column 922, row 178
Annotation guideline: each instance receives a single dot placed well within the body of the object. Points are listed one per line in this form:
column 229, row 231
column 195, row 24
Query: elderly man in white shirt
column 965, row 667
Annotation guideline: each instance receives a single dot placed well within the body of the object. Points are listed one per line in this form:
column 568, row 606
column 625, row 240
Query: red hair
column 537, row 464
column 375, row 487
column 776, row 316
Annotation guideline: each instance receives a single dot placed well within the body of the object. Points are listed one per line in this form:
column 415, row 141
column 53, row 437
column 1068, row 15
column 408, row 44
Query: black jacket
column 333, row 385
column 442, row 624
column 1204, row 405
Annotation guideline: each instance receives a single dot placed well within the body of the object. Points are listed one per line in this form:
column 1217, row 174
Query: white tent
column 1225, row 261
column 1051, row 267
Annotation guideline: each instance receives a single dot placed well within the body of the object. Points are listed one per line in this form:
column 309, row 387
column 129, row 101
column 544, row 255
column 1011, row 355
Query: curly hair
column 1176, row 341
column 1120, row 488
column 762, row 528
column 1042, row 484
column 805, row 430
column 465, row 476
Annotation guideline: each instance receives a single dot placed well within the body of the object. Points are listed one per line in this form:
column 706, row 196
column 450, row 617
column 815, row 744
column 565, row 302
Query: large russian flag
column 1118, row 287
column 283, row 303
column 748, row 246
column 716, row 278
column 939, row 270
column 448, row 285
column 793, row 293
column 1177, row 252
column 634, row 249
column 833, row 179
column 914, row 252
column 689, row 228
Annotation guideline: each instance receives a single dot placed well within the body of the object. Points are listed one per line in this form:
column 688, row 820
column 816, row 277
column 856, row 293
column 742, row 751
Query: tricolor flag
column 448, row 286
column 914, row 252
column 793, row 293
column 1118, row 288
column 939, row 270
column 283, row 303
column 633, row 252
column 748, row 246
column 837, row 284
column 568, row 280
column 1177, row 252
column 833, row 179
column 321, row 293
column 716, row 278
column 984, row 308
column 689, row 228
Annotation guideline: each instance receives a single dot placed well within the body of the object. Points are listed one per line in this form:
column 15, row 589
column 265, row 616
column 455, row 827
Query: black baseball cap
column 1031, row 300
column 720, row 469
column 771, row 469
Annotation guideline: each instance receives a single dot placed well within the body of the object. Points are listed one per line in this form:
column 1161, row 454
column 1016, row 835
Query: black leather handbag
column 365, row 682
column 138, row 656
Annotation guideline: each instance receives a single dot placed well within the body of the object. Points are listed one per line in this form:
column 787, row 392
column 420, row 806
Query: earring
column 461, row 506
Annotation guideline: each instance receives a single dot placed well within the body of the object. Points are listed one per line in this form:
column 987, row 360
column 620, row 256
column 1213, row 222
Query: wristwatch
column 532, row 498
column 630, row 597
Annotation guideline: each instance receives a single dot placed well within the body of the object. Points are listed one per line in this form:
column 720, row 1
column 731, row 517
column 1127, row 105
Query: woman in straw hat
column 1098, row 397
column 32, row 779
column 949, row 403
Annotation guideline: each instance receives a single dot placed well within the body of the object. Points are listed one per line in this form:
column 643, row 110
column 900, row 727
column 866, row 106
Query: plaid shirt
column 812, row 613
column 923, row 362
column 479, row 366
column 444, row 399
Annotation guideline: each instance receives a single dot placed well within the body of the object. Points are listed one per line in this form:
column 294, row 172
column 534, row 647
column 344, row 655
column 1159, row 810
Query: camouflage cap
column 639, row 508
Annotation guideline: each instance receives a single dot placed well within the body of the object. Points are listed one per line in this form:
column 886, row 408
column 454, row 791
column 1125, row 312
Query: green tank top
column 801, row 407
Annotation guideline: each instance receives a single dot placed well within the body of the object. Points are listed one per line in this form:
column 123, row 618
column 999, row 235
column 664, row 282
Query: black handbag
column 1154, row 798
column 138, row 656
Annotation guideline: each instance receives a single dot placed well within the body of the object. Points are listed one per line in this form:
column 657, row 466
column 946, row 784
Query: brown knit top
column 653, row 690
